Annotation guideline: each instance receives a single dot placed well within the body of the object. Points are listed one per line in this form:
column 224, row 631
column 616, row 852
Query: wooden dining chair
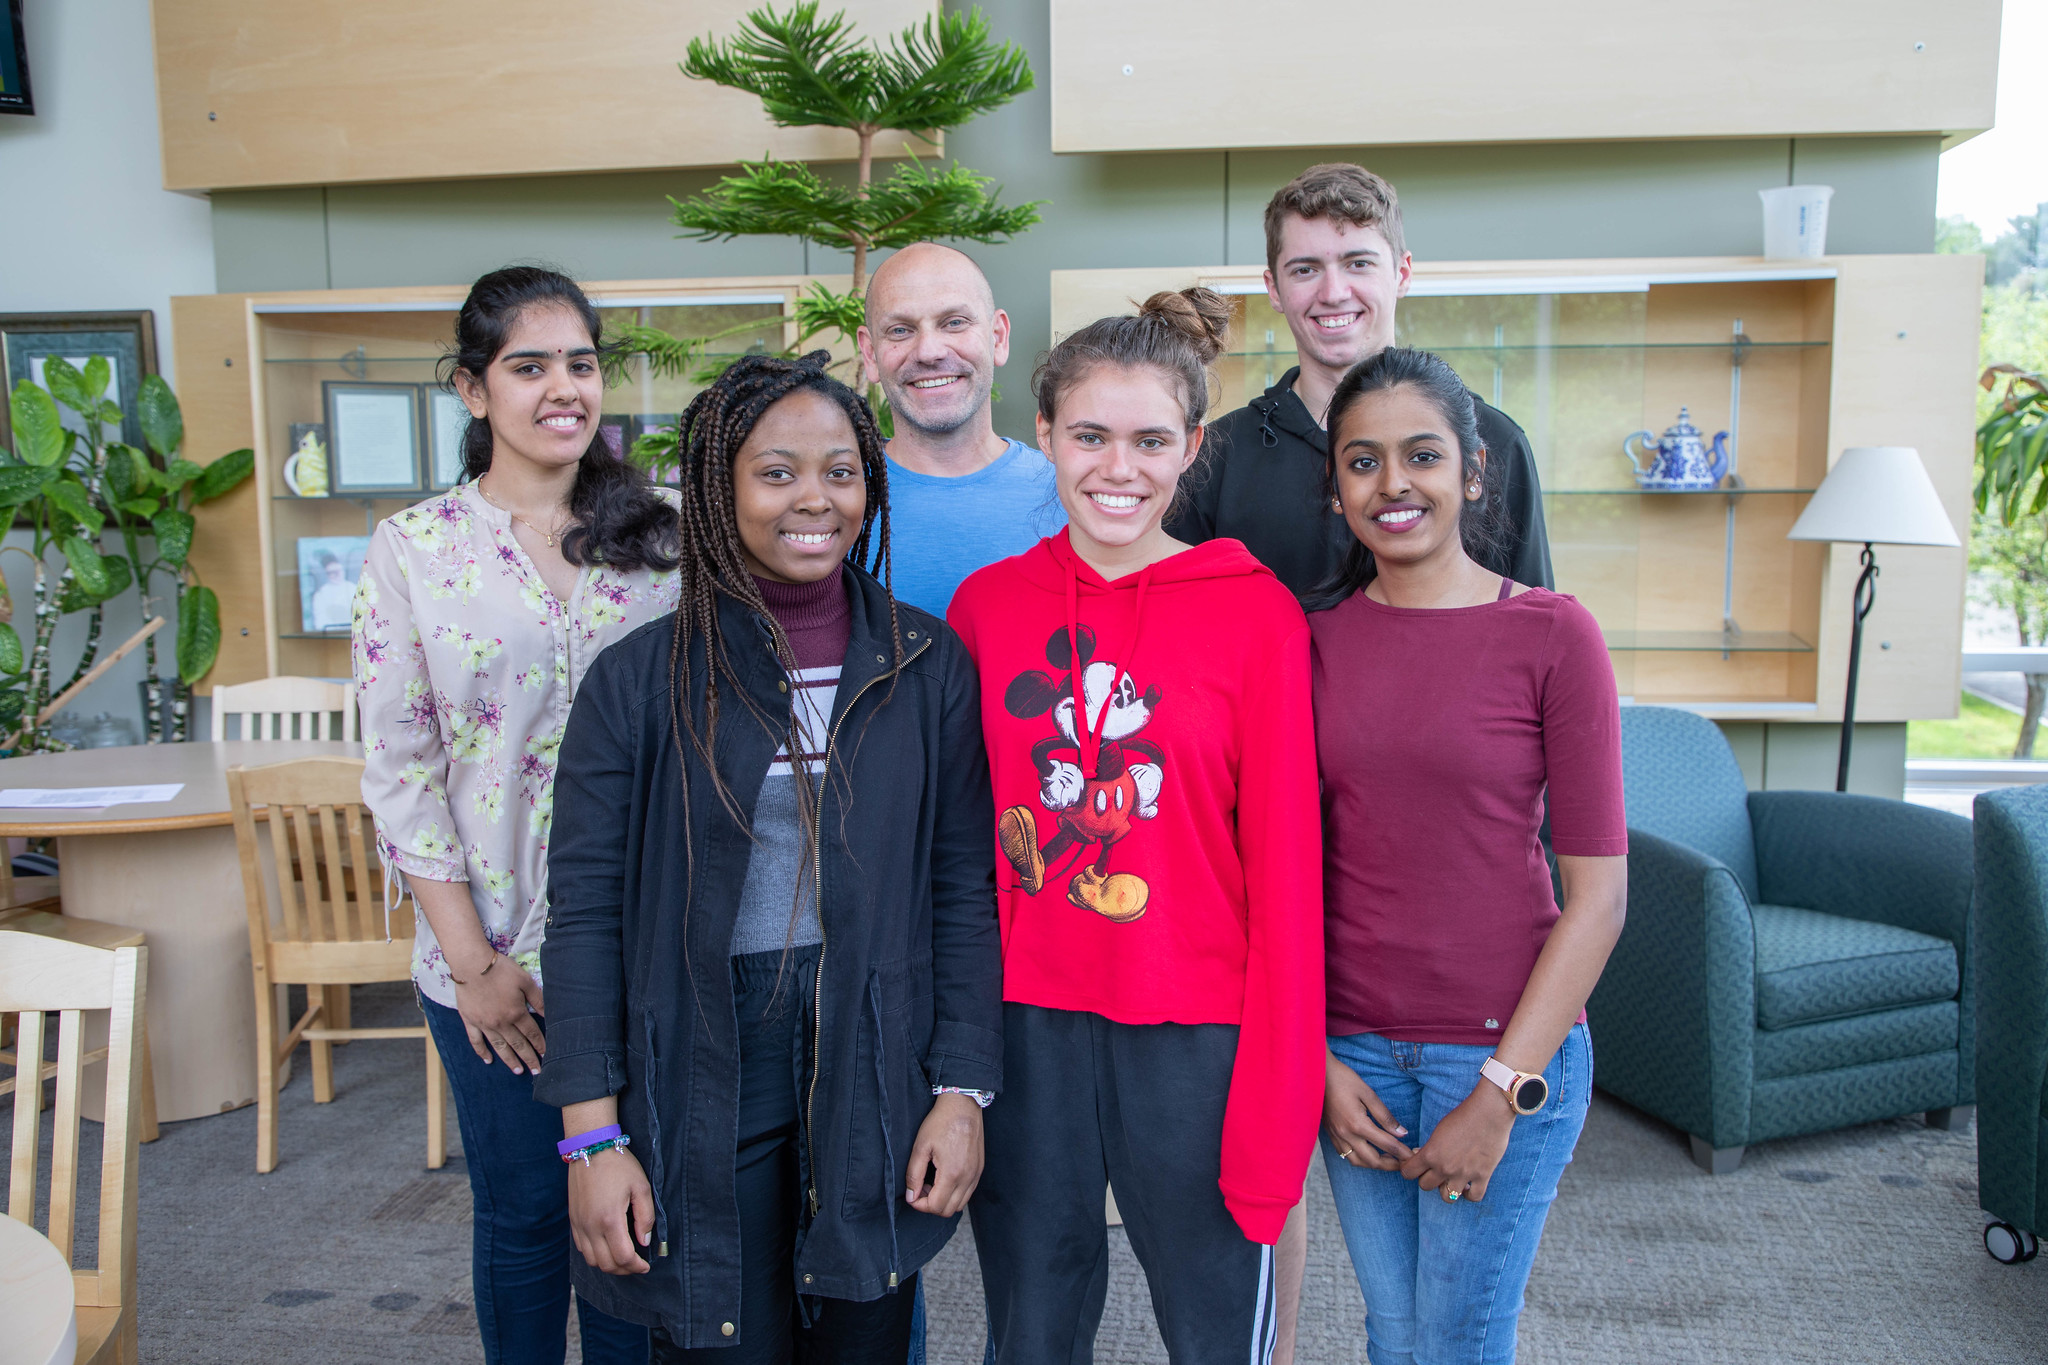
column 44, row 918
column 288, row 708
column 39, row 974
column 318, row 918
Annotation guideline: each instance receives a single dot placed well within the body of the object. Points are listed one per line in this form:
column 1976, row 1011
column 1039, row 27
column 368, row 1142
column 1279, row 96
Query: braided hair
column 710, row 434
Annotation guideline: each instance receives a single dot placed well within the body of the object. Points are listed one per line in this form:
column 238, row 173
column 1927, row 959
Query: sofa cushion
column 1859, row 1040
column 1811, row 965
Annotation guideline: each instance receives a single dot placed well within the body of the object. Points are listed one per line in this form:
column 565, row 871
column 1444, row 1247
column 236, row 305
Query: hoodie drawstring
column 1088, row 734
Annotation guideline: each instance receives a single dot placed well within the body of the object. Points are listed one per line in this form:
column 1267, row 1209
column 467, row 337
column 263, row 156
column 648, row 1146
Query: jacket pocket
column 891, row 1094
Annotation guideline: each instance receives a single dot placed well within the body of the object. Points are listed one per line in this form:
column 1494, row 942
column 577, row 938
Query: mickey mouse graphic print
column 1097, row 775
column 1158, row 835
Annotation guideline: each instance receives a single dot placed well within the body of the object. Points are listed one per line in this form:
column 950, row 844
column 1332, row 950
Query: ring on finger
column 1344, row 1155
column 1450, row 1196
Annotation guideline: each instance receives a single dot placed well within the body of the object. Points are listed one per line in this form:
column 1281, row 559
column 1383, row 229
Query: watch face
column 1531, row 1093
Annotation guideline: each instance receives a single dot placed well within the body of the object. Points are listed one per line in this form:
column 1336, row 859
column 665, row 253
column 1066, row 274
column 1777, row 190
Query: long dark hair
column 709, row 436
column 617, row 518
column 1480, row 523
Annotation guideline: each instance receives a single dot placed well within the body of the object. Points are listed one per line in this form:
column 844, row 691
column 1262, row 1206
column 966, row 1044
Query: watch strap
column 1500, row 1073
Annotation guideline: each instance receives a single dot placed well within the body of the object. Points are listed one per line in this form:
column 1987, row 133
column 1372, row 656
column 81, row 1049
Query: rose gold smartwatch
column 1525, row 1090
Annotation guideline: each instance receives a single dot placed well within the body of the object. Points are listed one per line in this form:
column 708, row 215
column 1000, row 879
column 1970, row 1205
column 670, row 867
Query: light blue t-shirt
column 943, row 529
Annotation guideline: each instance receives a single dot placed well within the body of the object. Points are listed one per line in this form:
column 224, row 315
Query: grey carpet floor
column 1851, row 1247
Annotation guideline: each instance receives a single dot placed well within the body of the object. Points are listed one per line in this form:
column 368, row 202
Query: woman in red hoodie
column 1146, row 710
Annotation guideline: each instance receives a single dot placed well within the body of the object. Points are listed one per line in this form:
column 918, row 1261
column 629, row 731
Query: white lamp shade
column 1878, row 494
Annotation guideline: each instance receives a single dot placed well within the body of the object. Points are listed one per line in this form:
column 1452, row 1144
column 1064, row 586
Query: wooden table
column 35, row 1299
column 168, row 868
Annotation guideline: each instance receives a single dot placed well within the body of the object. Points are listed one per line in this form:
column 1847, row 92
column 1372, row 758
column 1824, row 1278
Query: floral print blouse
column 465, row 666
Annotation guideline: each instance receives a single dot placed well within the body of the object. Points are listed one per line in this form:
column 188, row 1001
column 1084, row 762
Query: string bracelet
column 568, row 1147
column 584, row 1154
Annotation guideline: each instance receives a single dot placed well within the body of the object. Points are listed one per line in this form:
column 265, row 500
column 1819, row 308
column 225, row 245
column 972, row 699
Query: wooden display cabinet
column 1703, row 601
column 252, row 367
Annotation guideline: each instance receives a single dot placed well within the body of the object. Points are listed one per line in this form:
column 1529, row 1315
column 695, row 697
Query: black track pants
column 1139, row 1106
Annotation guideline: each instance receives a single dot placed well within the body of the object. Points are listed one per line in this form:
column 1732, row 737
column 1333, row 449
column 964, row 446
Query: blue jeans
column 1443, row 1282
column 520, row 1193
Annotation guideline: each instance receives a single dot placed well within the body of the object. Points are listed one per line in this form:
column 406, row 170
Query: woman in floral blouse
column 476, row 616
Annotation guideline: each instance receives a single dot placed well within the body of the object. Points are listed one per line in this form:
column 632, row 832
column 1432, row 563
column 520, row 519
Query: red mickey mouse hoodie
column 1159, row 836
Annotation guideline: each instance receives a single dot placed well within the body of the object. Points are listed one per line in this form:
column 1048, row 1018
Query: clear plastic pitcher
column 1796, row 221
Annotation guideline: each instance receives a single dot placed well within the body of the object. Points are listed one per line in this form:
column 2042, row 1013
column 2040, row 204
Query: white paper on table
column 84, row 798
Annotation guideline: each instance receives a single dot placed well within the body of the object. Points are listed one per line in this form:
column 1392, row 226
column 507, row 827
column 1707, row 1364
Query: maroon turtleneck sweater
column 818, row 619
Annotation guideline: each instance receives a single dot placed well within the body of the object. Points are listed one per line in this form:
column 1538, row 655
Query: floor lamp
column 1875, row 495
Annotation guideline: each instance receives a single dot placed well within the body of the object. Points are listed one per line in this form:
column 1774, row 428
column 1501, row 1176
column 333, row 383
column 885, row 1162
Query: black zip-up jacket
column 1261, row 481
column 909, row 988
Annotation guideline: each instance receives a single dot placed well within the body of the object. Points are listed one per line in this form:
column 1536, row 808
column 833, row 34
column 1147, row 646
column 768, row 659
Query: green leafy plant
column 810, row 71
column 71, row 486
column 2009, row 538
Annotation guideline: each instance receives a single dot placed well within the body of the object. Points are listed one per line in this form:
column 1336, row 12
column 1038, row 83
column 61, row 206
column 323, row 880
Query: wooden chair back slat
column 290, row 919
column 41, row 975
column 28, row 1108
column 271, row 708
column 64, row 1143
column 319, row 919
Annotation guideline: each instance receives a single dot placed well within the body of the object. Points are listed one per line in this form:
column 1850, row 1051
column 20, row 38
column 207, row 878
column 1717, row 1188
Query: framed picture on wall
column 447, row 424
column 14, row 91
column 127, row 341
column 328, row 569
column 373, row 437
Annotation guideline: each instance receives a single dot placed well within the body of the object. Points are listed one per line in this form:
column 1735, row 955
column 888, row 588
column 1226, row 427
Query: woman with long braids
column 476, row 615
column 772, row 963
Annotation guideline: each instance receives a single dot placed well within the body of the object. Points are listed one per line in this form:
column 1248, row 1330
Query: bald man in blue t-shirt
column 960, row 496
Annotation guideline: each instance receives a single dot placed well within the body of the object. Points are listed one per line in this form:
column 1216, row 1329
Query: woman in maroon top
column 1452, row 706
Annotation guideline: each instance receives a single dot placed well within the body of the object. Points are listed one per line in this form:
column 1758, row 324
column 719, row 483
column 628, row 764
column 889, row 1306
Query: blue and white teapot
column 1680, row 459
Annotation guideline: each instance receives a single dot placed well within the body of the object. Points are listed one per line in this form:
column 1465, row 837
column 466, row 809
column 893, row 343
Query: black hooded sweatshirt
column 1261, row 481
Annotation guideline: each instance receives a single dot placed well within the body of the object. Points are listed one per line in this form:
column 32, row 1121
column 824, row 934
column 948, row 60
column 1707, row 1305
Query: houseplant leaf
column 173, row 536
column 198, row 632
column 67, row 385
column 11, row 660
column 87, row 564
column 39, row 435
column 223, row 474
column 20, row 482
column 119, row 479
column 178, row 473
column 75, row 597
column 69, row 497
column 163, row 425
column 97, row 375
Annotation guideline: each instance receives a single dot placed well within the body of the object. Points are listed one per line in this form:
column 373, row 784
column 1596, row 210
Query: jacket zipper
column 818, row 890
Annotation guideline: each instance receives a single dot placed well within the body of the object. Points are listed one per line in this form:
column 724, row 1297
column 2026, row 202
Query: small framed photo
column 127, row 341
column 328, row 569
column 14, row 92
column 373, row 437
column 447, row 424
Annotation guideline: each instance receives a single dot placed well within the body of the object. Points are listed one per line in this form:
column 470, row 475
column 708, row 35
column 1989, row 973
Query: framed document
column 373, row 437
column 447, row 423
column 126, row 341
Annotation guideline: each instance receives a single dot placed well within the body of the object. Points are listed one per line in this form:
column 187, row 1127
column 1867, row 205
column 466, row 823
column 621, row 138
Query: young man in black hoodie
column 1336, row 264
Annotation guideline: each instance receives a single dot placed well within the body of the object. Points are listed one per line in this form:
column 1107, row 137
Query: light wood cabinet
column 259, row 369
column 1703, row 601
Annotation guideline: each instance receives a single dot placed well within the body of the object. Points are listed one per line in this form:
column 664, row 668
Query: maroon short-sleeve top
column 1441, row 734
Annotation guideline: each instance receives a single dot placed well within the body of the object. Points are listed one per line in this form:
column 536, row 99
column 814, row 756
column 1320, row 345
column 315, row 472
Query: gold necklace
column 548, row 536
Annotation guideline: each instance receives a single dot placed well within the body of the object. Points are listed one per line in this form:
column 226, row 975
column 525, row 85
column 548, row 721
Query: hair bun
column 1200, row 316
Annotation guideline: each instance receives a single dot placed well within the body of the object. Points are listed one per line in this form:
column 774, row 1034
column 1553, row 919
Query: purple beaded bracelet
column 568, row 1147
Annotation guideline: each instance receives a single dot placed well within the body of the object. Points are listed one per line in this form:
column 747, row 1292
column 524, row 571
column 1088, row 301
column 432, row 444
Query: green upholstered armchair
column 1793, row 961
column 2010, row 917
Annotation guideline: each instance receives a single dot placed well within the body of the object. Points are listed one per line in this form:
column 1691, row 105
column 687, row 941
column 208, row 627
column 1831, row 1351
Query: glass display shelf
column 1668, row 492
column 332, row 498
column 340, row 636
column 1551, row 347
column 1708, row 641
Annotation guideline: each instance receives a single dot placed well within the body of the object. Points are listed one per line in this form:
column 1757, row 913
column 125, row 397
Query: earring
column 1337, row 506
column 1473, row 488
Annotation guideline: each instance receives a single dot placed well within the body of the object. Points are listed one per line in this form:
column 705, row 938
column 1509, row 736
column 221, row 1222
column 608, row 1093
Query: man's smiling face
column 1337, row 285
column 933, row 338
